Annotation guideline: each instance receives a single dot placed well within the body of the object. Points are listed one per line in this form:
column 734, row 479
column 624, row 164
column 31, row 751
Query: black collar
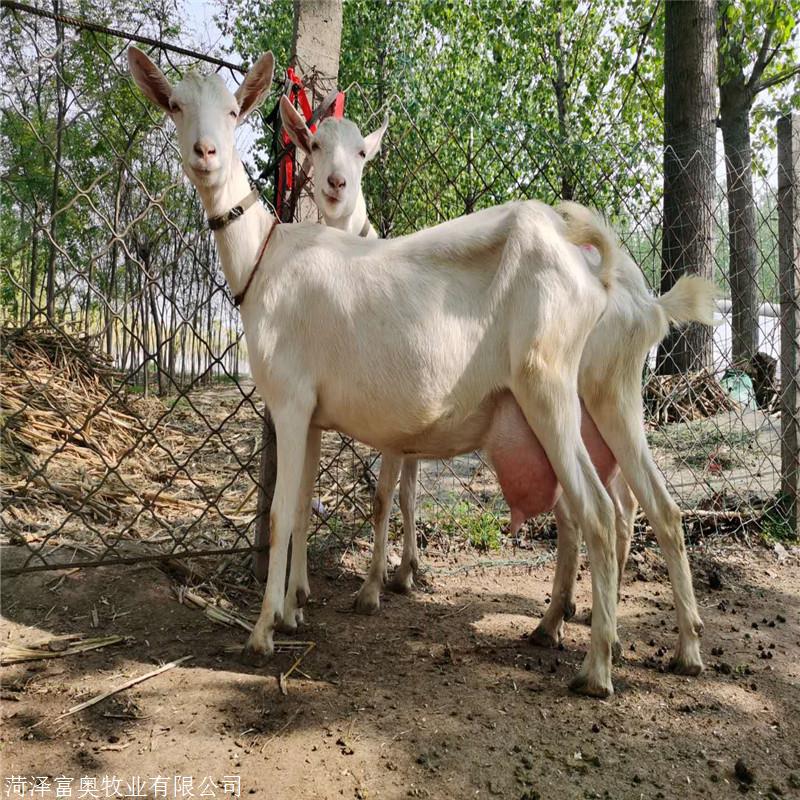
column 216, row 223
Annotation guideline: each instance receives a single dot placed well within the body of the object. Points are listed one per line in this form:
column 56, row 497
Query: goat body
column 429, row 332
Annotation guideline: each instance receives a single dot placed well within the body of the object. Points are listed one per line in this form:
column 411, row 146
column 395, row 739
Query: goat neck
column 239, row 242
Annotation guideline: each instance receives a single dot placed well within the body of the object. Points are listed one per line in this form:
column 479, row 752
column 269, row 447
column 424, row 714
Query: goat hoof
column 681, row 666
column 367, row 603
column 253, row 657
column 616, row 652
column 288, row 628
column 291, row 621
column 402, row 584
column 585, row 619
column 581, row 684
column 541, row 637
column 569, row 610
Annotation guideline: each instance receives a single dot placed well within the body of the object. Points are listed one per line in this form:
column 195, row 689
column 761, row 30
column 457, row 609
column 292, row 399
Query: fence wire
column 130, row 426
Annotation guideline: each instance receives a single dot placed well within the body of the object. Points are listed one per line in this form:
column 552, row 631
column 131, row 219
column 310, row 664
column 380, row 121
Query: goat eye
column 234, row 114
column 362, row 153
column 314, row 146
column 174, row 108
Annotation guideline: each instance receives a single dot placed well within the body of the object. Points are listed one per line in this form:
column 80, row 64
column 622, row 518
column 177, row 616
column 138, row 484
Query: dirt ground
column 438, row 696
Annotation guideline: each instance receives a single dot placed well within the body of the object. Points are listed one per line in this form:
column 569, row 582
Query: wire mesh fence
column 130, row 427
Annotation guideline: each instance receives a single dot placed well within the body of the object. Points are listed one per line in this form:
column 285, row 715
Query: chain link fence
column 130, row 427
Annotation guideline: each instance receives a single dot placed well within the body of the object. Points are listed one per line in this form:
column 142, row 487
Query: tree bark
column 690, row 104
column 33, row 305
column 743, row 265
column 560, row 88
column 60, row 114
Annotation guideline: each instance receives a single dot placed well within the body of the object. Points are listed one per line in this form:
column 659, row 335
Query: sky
column 202, row 29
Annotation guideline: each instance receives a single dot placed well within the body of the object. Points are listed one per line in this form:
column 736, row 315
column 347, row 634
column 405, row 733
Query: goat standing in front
column 634, row 322
column 405, row 344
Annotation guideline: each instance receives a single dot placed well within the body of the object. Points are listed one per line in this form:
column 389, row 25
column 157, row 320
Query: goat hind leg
column 368, row 599
column 550, row 631
column 552, row 408
column 403, row 578
column 622, row 429
column 625, row 506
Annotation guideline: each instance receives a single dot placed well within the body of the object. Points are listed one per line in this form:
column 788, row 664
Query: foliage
column 129, row 256
column 757, row 42
column 479, row 107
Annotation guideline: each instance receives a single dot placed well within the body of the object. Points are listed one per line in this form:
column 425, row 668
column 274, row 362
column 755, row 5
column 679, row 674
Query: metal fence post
column 789, row 265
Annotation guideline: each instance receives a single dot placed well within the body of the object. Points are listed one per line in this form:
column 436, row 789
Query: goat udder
column 524, row 472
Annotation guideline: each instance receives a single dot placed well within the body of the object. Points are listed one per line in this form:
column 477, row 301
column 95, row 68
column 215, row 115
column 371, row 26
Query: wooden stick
column 122, row 687
column 284, row 676
column 15, row 654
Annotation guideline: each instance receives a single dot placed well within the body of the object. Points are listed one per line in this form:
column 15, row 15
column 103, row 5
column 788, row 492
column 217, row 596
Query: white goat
column 338, row 153
column 610, row 369
column 410, row 345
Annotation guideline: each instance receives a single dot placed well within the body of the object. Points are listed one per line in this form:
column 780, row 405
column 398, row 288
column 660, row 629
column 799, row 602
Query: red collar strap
column 239, row 298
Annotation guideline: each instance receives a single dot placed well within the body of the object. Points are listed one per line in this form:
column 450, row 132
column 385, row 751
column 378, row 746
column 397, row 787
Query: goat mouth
column 203, row 172
column 331, row 198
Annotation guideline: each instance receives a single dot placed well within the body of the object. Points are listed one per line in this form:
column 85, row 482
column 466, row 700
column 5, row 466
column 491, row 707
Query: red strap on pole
column 299, row 98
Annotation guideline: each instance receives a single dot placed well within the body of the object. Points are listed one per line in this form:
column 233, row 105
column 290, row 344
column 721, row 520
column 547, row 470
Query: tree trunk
column 87, row 306
column 61, row 113
column 315, row 49
column 690, row 104
column 735, row 102
column 560, row 88
column 157, row 329
column 33, row 307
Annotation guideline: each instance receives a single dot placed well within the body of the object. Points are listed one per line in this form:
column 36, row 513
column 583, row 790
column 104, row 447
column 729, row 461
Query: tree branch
column 763, row 58
column 779, row 78
column 575, row 42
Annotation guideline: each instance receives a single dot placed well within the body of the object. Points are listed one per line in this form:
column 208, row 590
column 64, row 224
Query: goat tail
column 691, row 299
column 585, row 227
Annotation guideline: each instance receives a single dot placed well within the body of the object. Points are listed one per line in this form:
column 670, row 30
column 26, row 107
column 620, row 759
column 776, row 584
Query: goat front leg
column 368, row 599
column 403, row 578
column 298, row 590
column 291, row 428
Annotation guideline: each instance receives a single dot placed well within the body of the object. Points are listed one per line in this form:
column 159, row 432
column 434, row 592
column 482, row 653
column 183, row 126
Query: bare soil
column 439, row 695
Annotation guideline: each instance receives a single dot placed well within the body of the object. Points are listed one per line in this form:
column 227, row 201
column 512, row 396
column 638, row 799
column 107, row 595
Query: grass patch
column 481, row 527
column 775, row 524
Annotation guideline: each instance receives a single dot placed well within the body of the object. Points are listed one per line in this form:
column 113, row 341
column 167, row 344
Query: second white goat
column 610, row 373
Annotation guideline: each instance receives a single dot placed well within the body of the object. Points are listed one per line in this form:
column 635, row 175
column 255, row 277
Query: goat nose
column 204, row 147
column 336, row 181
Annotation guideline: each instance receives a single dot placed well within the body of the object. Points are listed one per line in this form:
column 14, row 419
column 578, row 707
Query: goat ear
column 149, row 78
column 373, row 140
column 295, row 126
column 255, row 86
